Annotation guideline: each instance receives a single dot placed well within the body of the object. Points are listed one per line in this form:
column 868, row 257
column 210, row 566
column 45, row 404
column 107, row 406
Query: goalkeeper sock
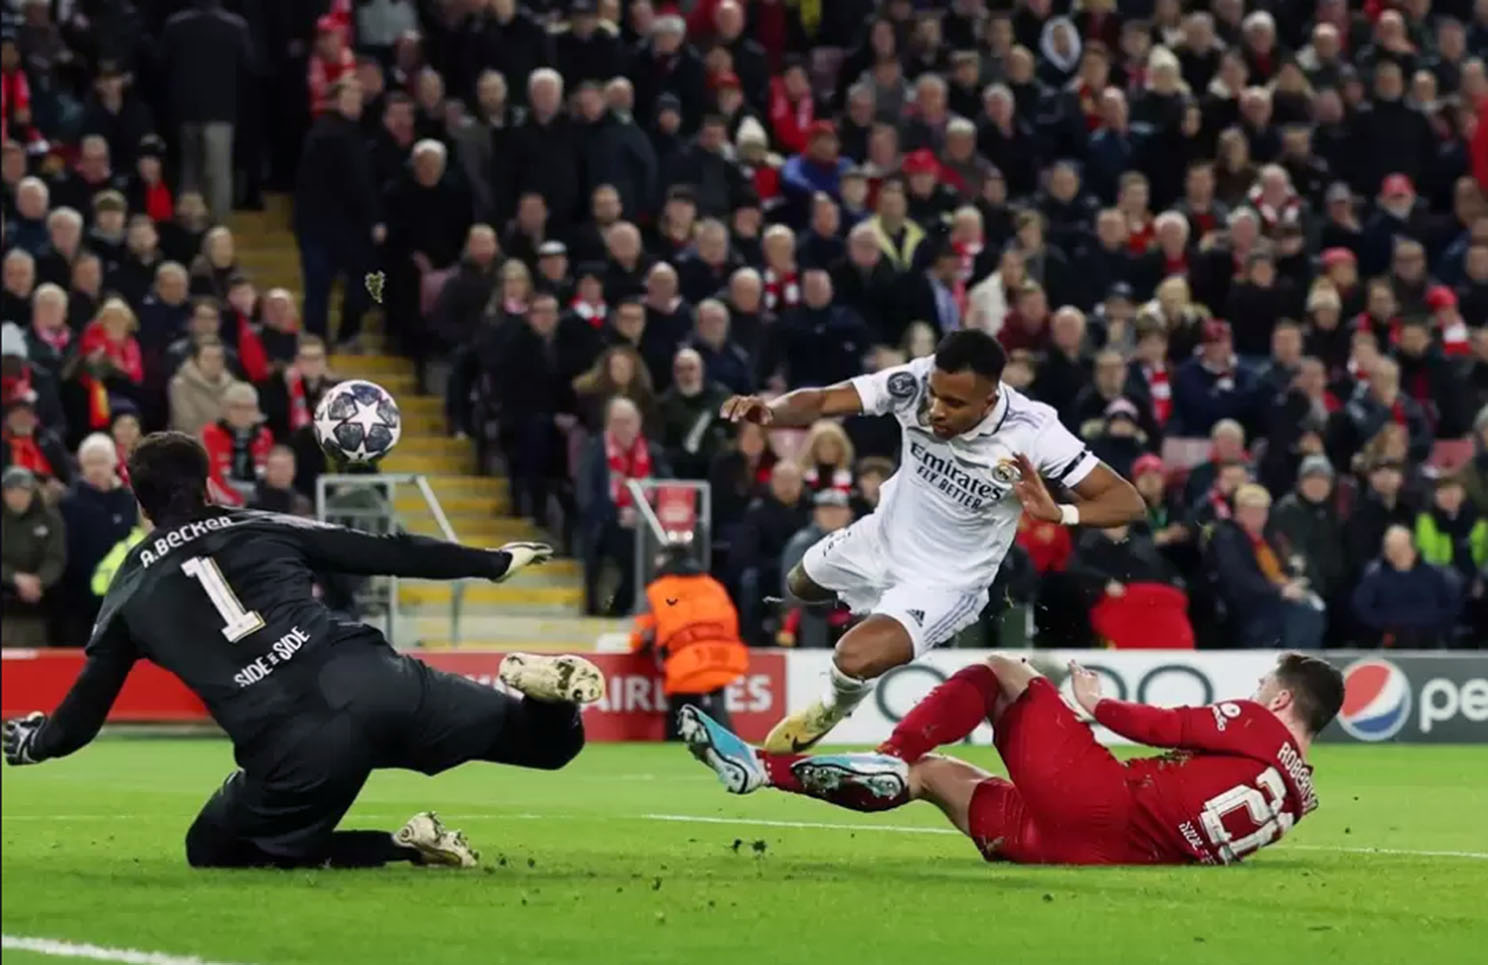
column 946, row 715
column 844, row 693
column 853, row 797
column 367, row 849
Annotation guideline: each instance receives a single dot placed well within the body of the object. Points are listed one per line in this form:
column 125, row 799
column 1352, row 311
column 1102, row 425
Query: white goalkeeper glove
column 20, row 735
column 523, row 555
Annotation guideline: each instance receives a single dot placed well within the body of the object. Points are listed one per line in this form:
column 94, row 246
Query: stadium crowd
column 1241, row 247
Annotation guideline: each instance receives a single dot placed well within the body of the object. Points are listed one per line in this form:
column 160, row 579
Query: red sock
column 946, row 715
column 852, row 797
column 778, row 766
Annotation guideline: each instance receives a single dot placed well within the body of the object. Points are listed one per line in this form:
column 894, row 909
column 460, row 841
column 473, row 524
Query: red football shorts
column 1067, row 801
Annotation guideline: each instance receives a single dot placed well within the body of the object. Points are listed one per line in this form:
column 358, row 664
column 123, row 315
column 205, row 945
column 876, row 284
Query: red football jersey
column 1237, row 780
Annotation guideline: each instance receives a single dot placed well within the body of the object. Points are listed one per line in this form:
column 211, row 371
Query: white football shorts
column 853, row 563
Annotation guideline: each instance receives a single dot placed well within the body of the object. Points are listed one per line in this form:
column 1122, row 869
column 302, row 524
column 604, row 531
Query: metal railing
column 343, row 498
column 653, row 533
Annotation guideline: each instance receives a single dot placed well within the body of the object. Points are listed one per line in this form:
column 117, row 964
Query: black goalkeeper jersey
column 224, row 602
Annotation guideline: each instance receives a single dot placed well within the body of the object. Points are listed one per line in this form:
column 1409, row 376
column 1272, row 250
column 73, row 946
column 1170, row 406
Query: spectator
column 106, row 238
column 290, row 398
column 616, row 152
column 206, row 54
column 1306, row 529
column 205, row 321
column 164, row 313
column 337, row 215
column 428, row 216
column 279, row 333
column 133, row 274
column 198, row 389
column 64, row 244
column 830, row 512
column 768, row 525
column 237, row 446
column 35, row 551
column 275, row 491
column 330, row 61
column 738, row 474
column 1403, row 600
column 510, row 38
column 1474, row 475
column 1375, row 403
column 707, row 267
column 898, row 236
column 619, row 454
column 110, row 367
column 692, row 432
column 821, row 245
column 865, row 282
column 33, row 447
column 1133, row 593
column 1092, row 405
column 1212, row 385
column 826, row 458
column 98, row 511
column 181, row 239
column 1426, row 377
column 86, row 285
column 724, row 361
column 19, row 283
column 1383, row 504
column 668, row 322
column 1267, row 606
column 89, row 178
column 27, row 228
column 1164, row 508
column 819, row 343
column 587, row 49
column 619, row 371
column 126, row 432
column 1451, row 533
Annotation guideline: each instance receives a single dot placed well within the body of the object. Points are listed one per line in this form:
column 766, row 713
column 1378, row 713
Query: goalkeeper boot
column 435, row 843
column 722, row 750
column 880, row 775
column 563, row 677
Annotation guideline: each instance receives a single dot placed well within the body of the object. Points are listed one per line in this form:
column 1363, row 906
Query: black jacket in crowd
column 874, row 296
column 206, row 56
column 818, row 346
column 547, row 159
column 336, row 199
column 618, row 153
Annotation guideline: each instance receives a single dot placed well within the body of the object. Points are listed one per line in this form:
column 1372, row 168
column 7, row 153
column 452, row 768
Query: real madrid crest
column 1006, row 472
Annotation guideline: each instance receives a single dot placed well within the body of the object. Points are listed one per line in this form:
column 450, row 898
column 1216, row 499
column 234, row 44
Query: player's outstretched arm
column 77, row 720
column 799, row 408
column 1217, row 727
column 348, row 551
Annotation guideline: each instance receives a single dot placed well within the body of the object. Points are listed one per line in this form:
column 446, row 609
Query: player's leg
column 458, row 720
column 285, row 815
column 906, row 621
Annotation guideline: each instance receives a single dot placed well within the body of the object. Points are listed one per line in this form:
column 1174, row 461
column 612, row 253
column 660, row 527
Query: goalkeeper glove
column 20, row 739
column 523, row 555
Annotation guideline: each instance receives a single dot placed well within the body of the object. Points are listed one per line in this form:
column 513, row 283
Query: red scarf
column 17, row 387
column 967, row 252
column 1175, row 266
column 1205, row 221
column 158, row 203
column 24, row 452
column 126, row 358
column 1221, row 504
column 1161, row 391
column 790, row 119
column 841, row 480
column 592, row 312
column 251, row 353
column 781, row 291
column 1289, row 212
column 58, row 338
column 299, row 404
column 1139, row 239
column 1454, row 334
column 1397, row 410
column 634, row 463
column 1089, row 99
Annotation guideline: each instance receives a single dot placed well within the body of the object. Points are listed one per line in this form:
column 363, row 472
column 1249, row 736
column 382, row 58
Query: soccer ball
column 357, row 422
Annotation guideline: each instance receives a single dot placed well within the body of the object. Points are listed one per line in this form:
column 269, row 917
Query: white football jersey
column 948, row 516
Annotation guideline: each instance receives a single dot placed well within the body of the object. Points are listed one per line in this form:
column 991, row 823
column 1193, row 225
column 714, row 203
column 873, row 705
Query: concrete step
column 413, row 593
column 426, row 445
column 429, row 465
column 511, row 631
column 364, row 366
column 431, row 405
column 457, row 486
column 488, row 531
column 474, row 506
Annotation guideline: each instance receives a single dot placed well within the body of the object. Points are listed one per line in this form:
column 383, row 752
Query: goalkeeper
column 222, row 599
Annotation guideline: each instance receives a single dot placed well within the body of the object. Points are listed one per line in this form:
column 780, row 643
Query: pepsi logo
column 1376, row 700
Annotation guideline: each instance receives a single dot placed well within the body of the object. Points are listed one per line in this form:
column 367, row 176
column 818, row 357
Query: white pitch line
column 753, row 822
column 58, row 948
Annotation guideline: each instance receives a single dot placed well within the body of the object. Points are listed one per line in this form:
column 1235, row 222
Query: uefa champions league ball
column 357, row 422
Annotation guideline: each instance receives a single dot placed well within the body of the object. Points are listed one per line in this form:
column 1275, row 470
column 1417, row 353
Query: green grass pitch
column 634, row 854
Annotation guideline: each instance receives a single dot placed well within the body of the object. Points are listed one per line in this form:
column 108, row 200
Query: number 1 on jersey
column 237, row 622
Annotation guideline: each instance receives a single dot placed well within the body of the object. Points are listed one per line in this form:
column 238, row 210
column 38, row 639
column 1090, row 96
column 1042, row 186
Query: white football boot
column 560, row 677
column 437, row 844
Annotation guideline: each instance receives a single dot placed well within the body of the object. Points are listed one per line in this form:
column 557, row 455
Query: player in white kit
column 973, row 456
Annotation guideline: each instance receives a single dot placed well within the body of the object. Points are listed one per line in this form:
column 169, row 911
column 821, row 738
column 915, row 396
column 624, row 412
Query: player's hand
column 1032, row 492
column 1115, row 588
column 1086, row 686
column 523, row 555
column 20, row 738
column 748, row 408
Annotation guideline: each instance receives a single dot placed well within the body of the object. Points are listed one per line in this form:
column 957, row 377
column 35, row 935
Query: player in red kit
column 1236, row 777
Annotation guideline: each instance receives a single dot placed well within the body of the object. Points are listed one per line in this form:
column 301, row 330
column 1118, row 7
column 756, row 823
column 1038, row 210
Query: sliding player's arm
column 1102, row 497
column 77, row 720
column 1218, row 727
column 402, row 554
